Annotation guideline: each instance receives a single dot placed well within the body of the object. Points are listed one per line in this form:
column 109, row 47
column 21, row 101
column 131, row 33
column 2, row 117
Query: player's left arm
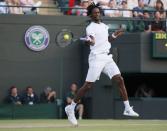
column 115, row 35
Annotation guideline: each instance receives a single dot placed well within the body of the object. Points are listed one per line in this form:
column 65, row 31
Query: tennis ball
column 66, row 37
column 165, row 44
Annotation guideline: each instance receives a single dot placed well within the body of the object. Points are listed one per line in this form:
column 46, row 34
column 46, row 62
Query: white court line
column 81, row 125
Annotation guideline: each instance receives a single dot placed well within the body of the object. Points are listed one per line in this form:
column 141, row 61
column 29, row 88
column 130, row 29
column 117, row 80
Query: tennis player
column 100, row 61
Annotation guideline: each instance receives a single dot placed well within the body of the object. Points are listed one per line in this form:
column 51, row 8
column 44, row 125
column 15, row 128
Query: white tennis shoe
column 71, row 115
column 130, row 112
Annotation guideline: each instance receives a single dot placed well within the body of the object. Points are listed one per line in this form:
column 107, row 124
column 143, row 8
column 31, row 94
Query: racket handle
column 85, row 39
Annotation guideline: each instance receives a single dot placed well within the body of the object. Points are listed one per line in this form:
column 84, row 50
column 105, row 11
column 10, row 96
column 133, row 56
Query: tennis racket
column 66, row 37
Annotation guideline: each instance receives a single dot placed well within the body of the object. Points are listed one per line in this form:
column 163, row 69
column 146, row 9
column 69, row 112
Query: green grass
column 84, row 125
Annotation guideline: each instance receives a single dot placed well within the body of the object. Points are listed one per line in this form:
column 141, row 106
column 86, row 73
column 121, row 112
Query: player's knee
column 119, row 79
column 88, row 85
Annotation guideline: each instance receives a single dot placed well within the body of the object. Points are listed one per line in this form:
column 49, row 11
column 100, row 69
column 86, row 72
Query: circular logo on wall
column 37, row 38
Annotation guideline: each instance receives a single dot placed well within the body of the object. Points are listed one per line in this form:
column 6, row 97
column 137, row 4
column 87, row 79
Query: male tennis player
column 100, row 61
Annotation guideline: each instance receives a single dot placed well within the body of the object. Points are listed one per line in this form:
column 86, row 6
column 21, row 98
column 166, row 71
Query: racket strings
column 61, row 41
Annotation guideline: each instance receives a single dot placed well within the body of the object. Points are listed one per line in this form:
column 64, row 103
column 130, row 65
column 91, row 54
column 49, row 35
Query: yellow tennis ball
column 66, row 37
column 166, row 44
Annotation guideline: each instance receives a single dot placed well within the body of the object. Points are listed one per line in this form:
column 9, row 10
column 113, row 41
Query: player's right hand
column 90, row 40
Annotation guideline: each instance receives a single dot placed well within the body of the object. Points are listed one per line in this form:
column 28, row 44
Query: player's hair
column 91, row 7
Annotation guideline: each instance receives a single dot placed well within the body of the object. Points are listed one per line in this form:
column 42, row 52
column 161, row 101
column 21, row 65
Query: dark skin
column 95, row 17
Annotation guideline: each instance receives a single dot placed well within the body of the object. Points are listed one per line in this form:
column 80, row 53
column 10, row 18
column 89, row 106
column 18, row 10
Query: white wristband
column 113, row 36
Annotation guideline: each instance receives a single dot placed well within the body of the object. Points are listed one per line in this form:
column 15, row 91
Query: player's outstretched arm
column 116, row 34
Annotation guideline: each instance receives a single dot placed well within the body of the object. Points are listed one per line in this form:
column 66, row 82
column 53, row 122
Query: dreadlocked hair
column 92, row 6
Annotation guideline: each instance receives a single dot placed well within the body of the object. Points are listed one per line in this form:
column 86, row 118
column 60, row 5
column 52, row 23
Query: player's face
column 95, row 15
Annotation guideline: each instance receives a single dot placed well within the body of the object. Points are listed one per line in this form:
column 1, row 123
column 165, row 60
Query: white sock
column 126, row 103
column 73, row 104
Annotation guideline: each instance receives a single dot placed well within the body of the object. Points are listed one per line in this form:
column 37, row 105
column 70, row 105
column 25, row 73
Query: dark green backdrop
column 59, row 67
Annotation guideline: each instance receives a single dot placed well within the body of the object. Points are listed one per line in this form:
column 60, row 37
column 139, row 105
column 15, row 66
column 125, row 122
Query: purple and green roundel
column 37, row 38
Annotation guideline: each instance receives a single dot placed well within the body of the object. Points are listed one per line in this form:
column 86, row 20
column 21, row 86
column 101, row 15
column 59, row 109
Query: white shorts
column 101, row 63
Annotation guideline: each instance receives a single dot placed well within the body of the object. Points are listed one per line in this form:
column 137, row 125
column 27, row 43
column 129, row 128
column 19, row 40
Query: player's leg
column 118, row 79
column 112, row 70
column 123, row 92
column 114, row 74
column 92, row 76
column 94, row 71
column 70, row 112
column 82, row 91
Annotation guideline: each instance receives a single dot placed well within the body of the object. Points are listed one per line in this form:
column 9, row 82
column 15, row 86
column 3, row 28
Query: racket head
column 64, row 38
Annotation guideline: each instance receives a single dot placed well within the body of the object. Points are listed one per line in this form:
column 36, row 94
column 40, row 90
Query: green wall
column 55, row 66
column 59, row 67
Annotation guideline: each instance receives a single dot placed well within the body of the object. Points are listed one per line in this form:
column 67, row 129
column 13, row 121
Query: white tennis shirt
column 100, row 32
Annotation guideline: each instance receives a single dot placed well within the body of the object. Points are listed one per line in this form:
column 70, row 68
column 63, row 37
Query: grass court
column 84, row 125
